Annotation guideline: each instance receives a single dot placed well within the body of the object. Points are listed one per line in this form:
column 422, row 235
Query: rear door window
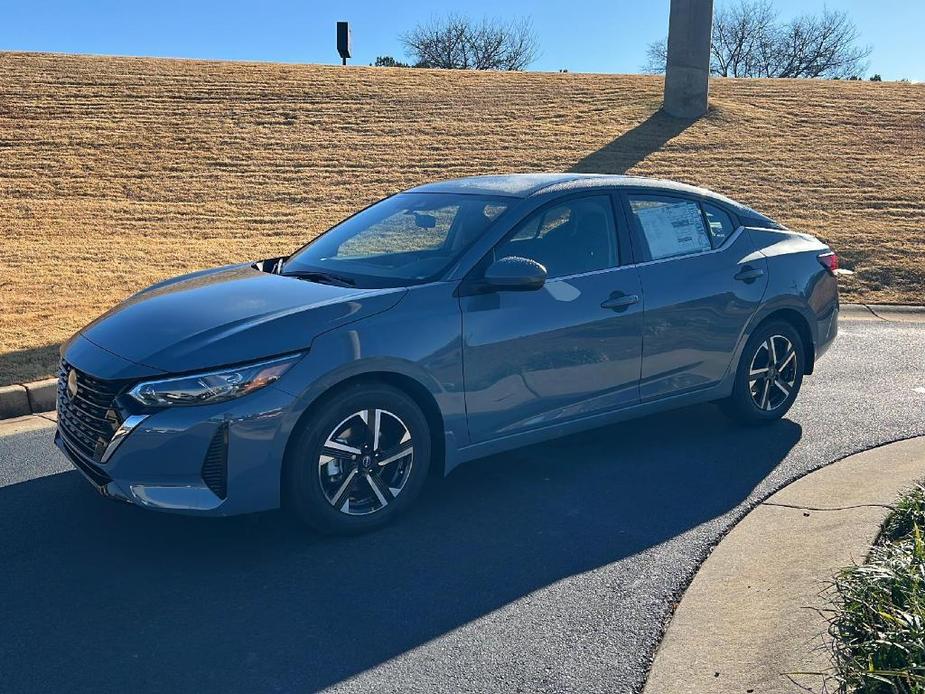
column 670, row 227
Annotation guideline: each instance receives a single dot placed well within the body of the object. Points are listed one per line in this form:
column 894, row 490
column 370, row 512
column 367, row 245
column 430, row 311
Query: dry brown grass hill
column 116, row 172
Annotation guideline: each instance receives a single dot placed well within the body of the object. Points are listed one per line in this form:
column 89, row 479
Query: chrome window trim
column 589, row 273
column 578, row 275
column 123, row 431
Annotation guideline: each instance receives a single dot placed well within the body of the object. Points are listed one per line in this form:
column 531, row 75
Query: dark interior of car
column 583, row 242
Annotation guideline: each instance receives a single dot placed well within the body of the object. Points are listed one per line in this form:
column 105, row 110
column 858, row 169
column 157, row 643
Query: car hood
column 228, row 316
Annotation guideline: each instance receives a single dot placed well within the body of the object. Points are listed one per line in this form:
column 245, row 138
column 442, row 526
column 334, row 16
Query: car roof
column 527, row 185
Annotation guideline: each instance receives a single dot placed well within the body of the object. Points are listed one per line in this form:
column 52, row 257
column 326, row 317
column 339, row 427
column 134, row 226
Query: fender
column 452, row 417
column 431, row 358
column 778, row 303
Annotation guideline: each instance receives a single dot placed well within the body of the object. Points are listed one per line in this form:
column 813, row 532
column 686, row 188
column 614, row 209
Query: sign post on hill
column 343, row 41
column 687, row 74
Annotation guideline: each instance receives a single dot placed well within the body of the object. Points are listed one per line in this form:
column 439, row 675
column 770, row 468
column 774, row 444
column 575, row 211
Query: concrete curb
column 898, row 313
column 23, row 399
column 42, row 394
column 751, row 618
column 857, row 312
column 36, row 397
column 14, row 401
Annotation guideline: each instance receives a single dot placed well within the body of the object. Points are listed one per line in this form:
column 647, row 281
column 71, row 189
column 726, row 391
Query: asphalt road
column 553, row 568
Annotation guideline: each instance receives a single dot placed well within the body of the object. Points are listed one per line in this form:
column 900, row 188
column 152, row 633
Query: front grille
column 215, row 465
column 87, row 420
column 97, row 476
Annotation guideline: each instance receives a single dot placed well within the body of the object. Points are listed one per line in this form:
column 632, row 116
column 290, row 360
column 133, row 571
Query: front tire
column 769, row 375
column 360, row 462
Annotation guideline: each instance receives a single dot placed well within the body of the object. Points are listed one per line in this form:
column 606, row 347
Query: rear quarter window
column 750, row 218
column 719, row 224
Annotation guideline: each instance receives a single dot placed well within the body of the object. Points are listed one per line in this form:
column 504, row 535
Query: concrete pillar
column 687, row 76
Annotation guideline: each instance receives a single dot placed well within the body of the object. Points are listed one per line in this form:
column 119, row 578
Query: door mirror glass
column 515, row 274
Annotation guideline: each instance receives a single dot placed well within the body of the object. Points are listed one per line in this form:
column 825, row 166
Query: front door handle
column 749, row 274
column 621, row 303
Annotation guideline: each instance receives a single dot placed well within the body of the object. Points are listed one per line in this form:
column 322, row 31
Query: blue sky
column 586, row 36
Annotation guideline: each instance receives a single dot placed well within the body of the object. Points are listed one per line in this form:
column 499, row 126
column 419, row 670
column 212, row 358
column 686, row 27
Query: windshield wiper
column 321, row 277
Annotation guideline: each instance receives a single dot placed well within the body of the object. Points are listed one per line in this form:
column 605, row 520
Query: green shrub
column 878, row 628
column 908, row 512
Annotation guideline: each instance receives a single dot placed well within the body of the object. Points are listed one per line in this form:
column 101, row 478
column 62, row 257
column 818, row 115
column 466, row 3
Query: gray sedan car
column 445, row 323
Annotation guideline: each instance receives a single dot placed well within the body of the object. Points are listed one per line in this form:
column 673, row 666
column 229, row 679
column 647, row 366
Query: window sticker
column 674, row 229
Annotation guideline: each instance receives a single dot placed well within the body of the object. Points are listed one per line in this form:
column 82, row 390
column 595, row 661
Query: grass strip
column 878, row 620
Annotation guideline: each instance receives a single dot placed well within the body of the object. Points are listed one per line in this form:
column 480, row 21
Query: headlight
column 213, row 386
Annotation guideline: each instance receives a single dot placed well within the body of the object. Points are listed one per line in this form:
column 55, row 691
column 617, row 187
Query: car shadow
column 99, row 596
column 630, row 148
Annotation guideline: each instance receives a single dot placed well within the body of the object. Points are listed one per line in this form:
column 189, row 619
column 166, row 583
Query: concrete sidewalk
column 29, row 422
column 750, row 618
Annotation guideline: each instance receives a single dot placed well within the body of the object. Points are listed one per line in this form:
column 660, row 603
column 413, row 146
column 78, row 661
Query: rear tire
column 769, row 375
column 361, row 461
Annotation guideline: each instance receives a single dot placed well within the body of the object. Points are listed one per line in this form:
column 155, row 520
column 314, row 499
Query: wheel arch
column 799, row 323
column 401, row 381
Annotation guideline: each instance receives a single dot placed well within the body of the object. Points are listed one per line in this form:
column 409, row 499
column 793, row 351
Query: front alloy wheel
column 361, row 458
column 366, row 462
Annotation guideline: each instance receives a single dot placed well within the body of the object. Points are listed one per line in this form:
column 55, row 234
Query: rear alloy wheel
column 769, row 375
column 362, row 461
column 772, row 373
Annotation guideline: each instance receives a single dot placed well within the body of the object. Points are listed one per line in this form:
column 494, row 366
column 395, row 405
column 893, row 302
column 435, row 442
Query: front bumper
column 191, row 498
column 219, row 460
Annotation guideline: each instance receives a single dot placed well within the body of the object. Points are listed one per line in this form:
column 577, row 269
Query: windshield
column 408, row 238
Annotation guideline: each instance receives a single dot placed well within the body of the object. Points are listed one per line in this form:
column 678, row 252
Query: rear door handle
column 621, row 303
column 749, row 274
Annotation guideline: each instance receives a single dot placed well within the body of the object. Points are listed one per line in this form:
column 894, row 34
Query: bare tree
column 656, row 57
column 459, row 43
column 822, row 45
column 750, row 41
column 744, row 38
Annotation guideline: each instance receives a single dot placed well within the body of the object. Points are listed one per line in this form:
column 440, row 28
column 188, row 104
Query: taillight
column 829, row 261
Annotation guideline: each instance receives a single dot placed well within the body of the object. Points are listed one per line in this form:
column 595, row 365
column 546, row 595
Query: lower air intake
column 215, row 465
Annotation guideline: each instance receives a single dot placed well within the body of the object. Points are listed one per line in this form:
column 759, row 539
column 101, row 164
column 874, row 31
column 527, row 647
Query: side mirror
column 514, row 275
